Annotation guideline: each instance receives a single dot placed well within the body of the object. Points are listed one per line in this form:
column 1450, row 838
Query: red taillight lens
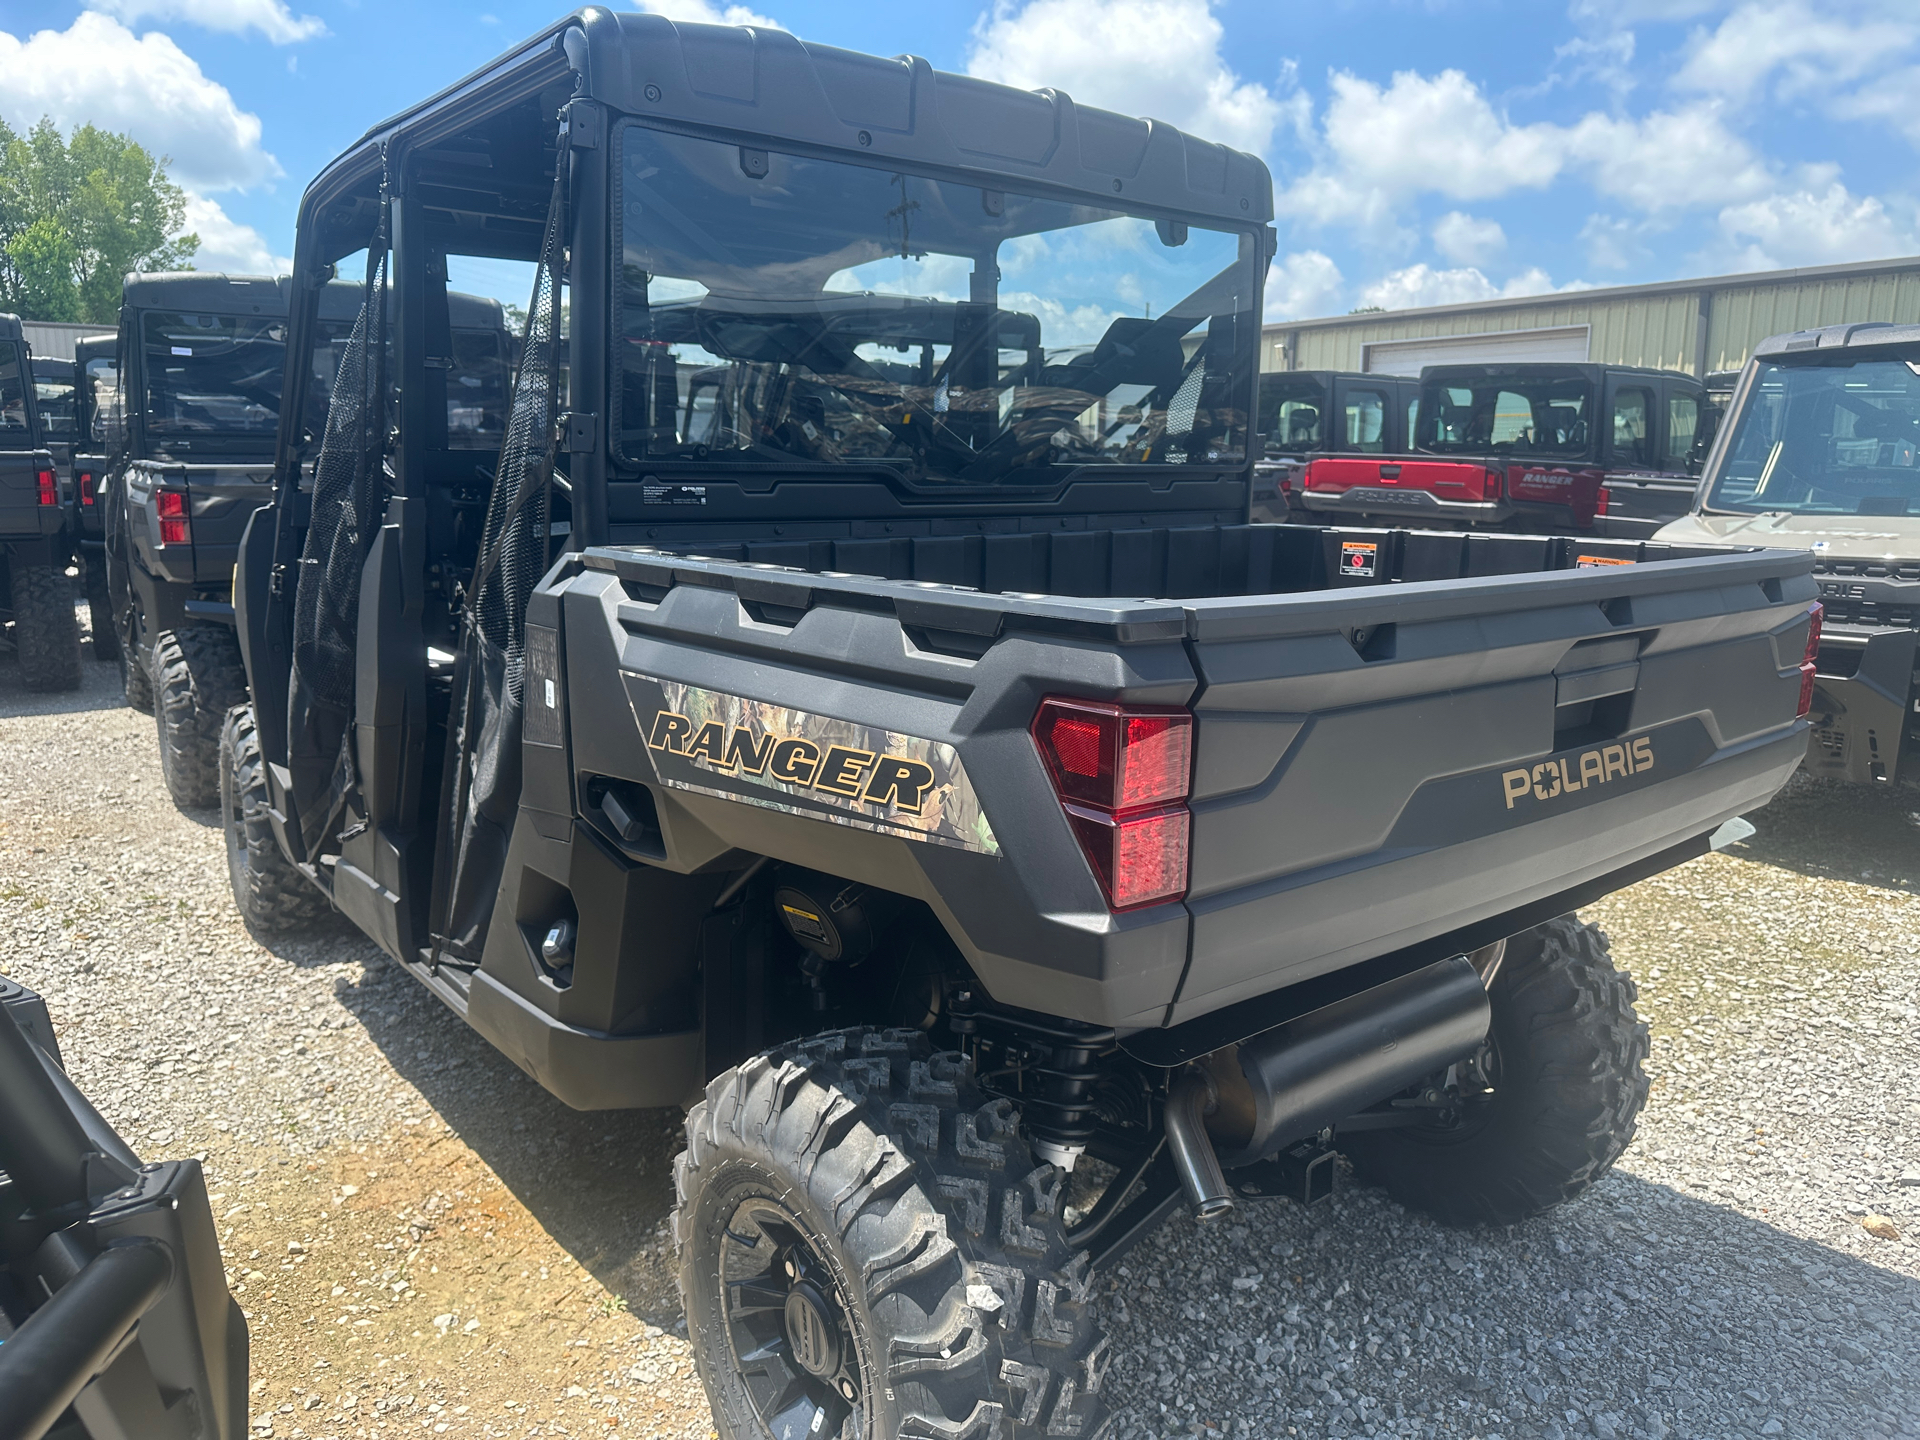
column 49, row 488
column 1600, row 501
column 1814, row 618
column 1114, row 757
column 86, row 487
column 171, row 507
column 1121, row 774
column 1140, row 859
column 1496, row 484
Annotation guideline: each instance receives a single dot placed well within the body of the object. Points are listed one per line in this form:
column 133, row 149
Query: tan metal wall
column 1743, row 317
column 1659, row 331
column 1662, row 329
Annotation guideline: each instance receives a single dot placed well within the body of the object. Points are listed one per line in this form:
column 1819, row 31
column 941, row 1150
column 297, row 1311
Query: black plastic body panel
column 1353, row 792
column 1863, row 704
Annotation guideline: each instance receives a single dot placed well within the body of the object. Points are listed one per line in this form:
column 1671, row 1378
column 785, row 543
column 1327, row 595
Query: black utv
column 853, row 703
column 36, row 595
column 191, row 457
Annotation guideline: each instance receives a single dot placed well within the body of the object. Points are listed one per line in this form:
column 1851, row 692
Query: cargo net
column 513, row 545
column 483, row 774
column 349, row 490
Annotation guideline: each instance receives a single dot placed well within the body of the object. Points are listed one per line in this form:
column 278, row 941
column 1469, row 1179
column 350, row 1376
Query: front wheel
column 868, row 1250
column 1564, row 1060
column 273, row 897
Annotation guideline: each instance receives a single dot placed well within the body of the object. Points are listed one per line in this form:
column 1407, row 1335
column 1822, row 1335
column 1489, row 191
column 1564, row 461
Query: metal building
column 55, row 338
column 1692, row 325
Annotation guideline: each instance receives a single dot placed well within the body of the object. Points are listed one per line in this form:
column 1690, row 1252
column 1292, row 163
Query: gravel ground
column 423, row 1239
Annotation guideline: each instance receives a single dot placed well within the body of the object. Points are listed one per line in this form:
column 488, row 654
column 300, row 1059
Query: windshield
column 790, row 311
column 1289, row 413
column 1829, row 439
column 1544, row 418
column 103, row 390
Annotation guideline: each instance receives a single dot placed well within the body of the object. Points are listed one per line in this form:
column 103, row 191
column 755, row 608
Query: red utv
column 1592, row 449
column 1303, row 413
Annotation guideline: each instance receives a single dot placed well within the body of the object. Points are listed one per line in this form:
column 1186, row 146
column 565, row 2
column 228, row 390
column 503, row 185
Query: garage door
column 1409, row 357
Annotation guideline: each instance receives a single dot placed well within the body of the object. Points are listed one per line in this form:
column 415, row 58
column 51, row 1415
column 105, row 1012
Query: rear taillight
column 1600, row 501
column 1807, row 662
column 49, row 488
column 171, row 507
column 86, row 487
column 1123, row 774
column 1496, row 484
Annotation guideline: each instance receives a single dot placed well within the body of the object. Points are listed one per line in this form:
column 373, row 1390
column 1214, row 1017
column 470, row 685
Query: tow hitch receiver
column 1305, row 1175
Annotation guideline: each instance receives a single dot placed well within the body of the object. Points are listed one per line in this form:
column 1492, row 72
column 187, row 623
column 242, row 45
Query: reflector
column 1814, row 618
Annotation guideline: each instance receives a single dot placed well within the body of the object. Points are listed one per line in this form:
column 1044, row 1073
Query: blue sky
column 1423, row 150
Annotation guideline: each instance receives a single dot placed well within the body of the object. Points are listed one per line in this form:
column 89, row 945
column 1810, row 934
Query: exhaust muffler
column 1290, row 1083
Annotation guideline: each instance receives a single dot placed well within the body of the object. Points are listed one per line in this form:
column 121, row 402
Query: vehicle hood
column 1856, row 537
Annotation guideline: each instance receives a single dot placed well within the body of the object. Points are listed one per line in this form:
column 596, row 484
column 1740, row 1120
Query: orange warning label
column 1357, row 557
column 1594, row 562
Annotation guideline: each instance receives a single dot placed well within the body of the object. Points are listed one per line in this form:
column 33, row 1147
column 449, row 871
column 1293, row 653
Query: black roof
column 751, row 82
column 92, row 347
column 218, row 294
column 1327, row 377
column 49, row 367
column 1864, row 335
column 10, row 327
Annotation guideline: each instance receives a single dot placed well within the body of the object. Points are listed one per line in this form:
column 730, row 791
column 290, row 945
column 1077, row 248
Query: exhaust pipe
column 1290, row 1083
column 1191, row 1149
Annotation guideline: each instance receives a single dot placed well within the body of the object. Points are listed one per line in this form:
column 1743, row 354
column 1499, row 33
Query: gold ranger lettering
column 861, row 775
column 1568, row 774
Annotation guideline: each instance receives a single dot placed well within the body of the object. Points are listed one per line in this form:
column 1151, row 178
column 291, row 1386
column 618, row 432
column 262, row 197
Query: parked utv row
column 1611, row 451
column 869, row 717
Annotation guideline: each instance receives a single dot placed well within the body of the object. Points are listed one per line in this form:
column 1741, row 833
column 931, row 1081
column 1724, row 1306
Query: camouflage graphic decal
column 812, row 765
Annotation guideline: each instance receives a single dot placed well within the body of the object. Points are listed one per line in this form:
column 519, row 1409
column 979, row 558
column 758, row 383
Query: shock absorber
column 1051, row 1068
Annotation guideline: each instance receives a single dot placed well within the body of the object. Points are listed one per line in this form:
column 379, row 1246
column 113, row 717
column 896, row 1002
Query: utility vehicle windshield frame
column 1527, row 417
column 1833, row 435
column 783, row 310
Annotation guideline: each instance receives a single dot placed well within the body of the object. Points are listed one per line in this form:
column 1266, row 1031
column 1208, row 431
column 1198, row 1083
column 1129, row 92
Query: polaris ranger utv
column 35, row 592
column 1606, row 450
column 1820, row 449
column 192, row 459
column 835, row 712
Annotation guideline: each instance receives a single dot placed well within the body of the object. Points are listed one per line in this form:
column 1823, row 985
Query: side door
column 1641, row 491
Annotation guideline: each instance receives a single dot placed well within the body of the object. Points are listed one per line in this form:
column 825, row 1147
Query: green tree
column 78, row 213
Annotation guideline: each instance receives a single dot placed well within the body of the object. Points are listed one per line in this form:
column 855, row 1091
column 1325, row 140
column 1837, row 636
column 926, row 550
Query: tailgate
column 1380, row 767
column 1467, row 480
column 219, row 501
column 24, row 475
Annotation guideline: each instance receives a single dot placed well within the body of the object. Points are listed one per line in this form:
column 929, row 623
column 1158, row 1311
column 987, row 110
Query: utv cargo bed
column 1379, row 762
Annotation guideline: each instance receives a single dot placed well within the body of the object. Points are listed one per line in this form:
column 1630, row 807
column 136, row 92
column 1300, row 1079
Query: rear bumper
column 1379, row 500
column 1863, row 684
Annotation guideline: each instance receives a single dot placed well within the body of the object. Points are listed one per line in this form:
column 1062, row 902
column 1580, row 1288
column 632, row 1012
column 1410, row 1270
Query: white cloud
column 98, row 71
column 271, row 18
column 1669, row 160
column 1803, row 227
column 1886, row 100
column 226, row 244
column 1812, row 50
column 1614, row 243
column 703, row 12
column 1467, row 239
column 1305, row 283
column 1421, row 284
column 1157, row 58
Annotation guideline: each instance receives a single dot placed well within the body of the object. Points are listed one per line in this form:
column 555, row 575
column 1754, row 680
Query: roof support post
column 588, row 149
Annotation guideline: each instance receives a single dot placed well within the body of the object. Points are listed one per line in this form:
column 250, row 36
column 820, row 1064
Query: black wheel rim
column 792, row 1345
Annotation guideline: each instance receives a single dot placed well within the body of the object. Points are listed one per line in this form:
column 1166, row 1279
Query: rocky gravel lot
column 424, row 1241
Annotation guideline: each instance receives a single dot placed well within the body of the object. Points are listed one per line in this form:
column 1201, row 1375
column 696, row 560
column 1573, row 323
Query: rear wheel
column 197, row 678
column 136, row 664
column 1564, row 1060
column 273, row 897
column 46, row 632
column 106, row 636
column 868, row 1249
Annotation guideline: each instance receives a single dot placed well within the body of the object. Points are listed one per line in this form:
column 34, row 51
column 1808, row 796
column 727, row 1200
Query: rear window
column 13, row 396
column 1548, row 418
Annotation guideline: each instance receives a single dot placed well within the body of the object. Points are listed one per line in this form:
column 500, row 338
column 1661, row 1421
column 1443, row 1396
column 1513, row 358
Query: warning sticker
column 1594, row 562
column 1357, row 558
column 657, row 494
